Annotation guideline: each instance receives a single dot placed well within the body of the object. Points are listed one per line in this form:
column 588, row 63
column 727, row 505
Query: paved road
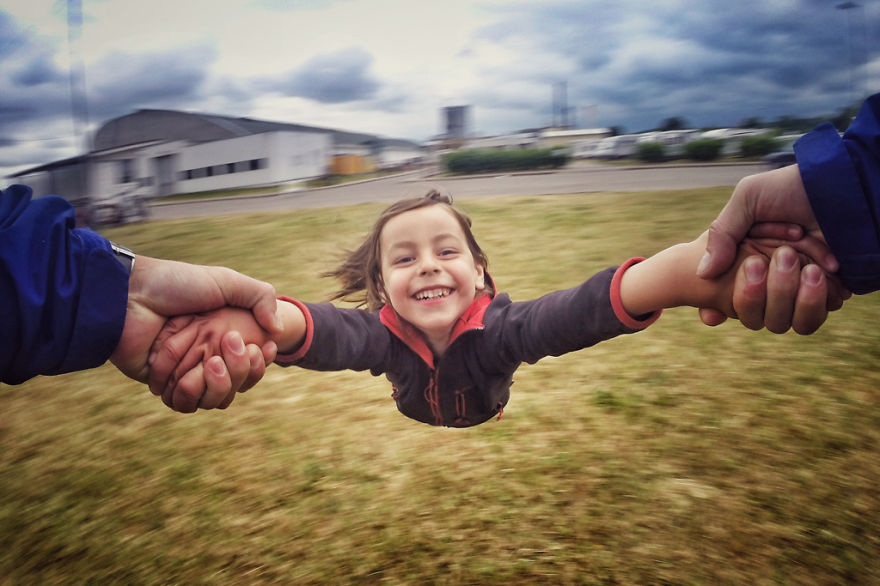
column 578, row 178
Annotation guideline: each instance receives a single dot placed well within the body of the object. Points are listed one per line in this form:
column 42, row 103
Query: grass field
column 679, row 455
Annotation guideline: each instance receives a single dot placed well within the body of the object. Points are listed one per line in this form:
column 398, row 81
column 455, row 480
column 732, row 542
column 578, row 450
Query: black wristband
column 124, row 255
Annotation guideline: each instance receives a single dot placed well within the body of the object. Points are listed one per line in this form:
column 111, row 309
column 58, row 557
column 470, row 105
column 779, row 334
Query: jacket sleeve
column 563, row 321
column 63, row 295
column 339, row 339
column 842, row 179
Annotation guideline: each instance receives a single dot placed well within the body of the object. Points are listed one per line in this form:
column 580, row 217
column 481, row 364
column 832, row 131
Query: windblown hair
column 361, row 270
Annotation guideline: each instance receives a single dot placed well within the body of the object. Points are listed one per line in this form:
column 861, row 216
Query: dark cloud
column 629, row 63
column 647, row 61
column 35, row 101
column 121, row 83
column 332, row 78
column 31, row 87
column 37, row 71
column 12, row 37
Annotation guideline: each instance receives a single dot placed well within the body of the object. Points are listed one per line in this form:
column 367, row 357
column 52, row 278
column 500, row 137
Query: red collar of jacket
column 471, row 319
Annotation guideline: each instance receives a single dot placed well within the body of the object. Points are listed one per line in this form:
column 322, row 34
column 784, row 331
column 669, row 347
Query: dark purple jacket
column 470, row 383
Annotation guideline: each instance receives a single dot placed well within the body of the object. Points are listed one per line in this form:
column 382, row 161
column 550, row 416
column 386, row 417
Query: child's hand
column 188, row 345
column 787, row 291
column 669, row 279
column 776, row 285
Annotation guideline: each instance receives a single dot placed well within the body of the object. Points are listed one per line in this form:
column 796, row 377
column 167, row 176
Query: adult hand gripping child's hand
column 773, row 205
column 191, row 346
column 160, row 289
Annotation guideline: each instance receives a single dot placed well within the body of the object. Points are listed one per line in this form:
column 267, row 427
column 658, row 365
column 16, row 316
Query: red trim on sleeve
column 288, row 359
column 616, row 303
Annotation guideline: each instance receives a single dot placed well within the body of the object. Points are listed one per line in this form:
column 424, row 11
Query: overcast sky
column 388, row 66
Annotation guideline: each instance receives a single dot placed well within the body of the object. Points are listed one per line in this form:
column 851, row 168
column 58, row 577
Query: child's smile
column 433, row 294
column 429, row 274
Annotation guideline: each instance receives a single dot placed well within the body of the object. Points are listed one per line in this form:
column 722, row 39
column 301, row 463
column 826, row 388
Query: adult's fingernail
column 831, row 263
column 237, row 344
column 786, row 259
column 755, row 271
column 217, row 366
column 812, row 275
column 704, row 263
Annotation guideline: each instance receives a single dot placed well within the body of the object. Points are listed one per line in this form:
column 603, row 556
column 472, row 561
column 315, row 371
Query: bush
column 758, row 146
column 490, row 161
column 704, row 149
column 651, row 152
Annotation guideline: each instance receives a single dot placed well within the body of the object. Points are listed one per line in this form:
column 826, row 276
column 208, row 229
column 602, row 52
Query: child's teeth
column 433, row 294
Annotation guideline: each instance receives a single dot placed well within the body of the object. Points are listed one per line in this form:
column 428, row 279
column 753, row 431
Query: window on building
column 257, row 164
column 126, row 171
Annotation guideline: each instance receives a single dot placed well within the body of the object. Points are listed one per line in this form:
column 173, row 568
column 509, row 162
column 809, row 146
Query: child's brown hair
column 361, row 270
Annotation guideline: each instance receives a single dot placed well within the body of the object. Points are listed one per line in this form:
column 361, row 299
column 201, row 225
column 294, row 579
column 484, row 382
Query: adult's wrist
column 125, row 256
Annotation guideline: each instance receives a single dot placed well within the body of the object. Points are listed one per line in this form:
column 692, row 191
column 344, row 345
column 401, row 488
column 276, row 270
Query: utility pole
column 79, row 109
column 847, row 7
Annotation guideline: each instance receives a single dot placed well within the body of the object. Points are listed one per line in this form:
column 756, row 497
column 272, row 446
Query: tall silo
column 456, row 120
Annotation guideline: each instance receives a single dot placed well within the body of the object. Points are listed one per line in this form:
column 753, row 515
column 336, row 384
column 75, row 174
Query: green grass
column 679, row 455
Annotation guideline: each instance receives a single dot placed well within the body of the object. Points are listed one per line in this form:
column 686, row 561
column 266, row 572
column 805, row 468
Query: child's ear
column 481, row 278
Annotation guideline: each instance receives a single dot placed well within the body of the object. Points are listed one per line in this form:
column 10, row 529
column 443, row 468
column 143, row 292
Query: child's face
column 428, row 271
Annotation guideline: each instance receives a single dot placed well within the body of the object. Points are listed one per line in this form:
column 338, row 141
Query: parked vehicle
column 616, row 147
column 785, row 155
column 584, row 149
column 121, row 209
column 732, row 138
column 673, row 141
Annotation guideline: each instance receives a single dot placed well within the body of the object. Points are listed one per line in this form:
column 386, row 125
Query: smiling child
column 434, row 324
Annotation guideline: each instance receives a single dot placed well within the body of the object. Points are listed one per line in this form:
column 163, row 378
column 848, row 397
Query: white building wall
column 566, row 138
column 302, row 155
column 126, row 170
column 359, row 150
column 39, row 182
column 504, row 142
column 394, row 156
column 259, row 159
column 67, row 182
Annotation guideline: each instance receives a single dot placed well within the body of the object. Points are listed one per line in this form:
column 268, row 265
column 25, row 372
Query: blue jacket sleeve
column 842, row 179
column 62, row 293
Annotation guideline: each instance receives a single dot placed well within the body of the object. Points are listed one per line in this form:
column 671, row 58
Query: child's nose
column 428, row 264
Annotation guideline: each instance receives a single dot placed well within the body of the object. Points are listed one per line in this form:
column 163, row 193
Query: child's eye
column 402, row 260
column 447, row 251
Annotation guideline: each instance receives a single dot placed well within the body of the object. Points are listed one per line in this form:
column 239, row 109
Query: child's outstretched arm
column 188, row 343
column 664, row 280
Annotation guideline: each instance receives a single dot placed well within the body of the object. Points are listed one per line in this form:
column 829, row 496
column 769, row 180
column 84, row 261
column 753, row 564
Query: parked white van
column 616, row 147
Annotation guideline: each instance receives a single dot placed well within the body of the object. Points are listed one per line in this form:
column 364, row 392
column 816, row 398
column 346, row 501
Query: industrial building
column 157, row 153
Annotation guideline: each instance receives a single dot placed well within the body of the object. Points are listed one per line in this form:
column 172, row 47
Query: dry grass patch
column 682, row 454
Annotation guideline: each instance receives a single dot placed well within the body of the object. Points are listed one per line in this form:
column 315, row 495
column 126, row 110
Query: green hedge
column 703, row 149
column 490, row 161
column 758, row 146
column 651, row 152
